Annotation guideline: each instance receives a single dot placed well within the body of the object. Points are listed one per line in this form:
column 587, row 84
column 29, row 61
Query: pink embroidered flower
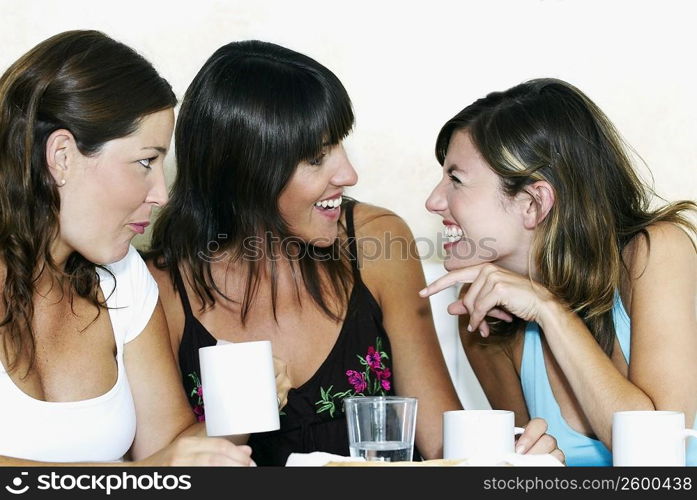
column 200, row 415
column 357, row 380
column 383, row 376
column 373, row 358
column 199, row 391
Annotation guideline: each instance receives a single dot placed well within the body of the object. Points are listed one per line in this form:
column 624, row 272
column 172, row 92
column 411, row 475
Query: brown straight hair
column 547, row 129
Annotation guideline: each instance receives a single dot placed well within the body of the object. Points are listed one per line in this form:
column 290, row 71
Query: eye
column 318, row 161
column 147, row 161
column 453, row 179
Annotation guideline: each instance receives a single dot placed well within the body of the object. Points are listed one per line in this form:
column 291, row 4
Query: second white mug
column 641, row 438
column 478, row 433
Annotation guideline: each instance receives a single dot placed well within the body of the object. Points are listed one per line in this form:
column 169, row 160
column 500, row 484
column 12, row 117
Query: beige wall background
column 410, row 66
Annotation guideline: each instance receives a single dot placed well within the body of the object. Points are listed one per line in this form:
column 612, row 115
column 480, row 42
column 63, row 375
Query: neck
column 60, row 253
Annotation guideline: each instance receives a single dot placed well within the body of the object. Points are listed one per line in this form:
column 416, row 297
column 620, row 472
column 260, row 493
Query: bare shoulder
column 371, row 220
column 667, row 243
column 387, row 254
column 385, row 243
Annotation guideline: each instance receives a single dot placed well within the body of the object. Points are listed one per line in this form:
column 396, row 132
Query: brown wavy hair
column 547, row 129
column 94, row 87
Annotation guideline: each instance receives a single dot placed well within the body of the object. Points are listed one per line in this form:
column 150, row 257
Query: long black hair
column 253, row 112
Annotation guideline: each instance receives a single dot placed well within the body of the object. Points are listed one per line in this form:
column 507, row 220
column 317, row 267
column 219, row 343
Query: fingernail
column 469, row 328
column 481, row 332
column 423, row 292
column 520, row 449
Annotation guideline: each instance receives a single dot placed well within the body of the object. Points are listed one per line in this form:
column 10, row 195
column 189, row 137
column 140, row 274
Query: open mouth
column 330, row 204
column 453, row 233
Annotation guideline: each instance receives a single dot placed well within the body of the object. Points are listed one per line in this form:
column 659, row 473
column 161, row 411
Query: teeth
column 329, row 203
column 453, row 233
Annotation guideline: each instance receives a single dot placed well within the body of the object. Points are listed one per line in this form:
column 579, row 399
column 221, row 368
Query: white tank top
column 96, row 429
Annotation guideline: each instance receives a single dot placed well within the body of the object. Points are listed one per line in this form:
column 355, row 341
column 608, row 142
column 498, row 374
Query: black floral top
column 313, row 420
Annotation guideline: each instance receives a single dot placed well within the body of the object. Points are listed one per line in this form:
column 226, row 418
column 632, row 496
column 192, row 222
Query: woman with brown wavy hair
column 554, row 236
column 88, row 375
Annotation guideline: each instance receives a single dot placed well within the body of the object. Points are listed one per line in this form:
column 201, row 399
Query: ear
column 59, row 148
column 538, row 201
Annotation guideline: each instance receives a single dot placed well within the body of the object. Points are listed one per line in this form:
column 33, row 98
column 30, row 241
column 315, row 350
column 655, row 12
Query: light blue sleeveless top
column 580, row 450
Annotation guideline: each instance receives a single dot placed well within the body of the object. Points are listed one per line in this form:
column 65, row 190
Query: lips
column 139, row 227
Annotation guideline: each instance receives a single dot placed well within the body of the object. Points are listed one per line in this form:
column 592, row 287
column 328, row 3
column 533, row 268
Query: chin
column 453, row 263
column 322, row 240
column 108, row 256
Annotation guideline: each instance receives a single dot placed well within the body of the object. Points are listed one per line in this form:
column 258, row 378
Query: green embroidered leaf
column 326, row 395
column 324, row 407
column 378, row 348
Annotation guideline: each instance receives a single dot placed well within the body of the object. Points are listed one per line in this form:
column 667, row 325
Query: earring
column 62, row 182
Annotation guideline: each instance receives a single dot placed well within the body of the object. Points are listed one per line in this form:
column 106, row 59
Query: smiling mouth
column 452, row 233
column 330, row 204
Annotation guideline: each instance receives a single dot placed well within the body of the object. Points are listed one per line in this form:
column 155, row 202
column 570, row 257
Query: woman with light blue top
column 567, row 267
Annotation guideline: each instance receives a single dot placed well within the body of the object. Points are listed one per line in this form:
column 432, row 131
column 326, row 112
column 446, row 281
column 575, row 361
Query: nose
column 345, row 174
column 158, row 190
column 436, row 201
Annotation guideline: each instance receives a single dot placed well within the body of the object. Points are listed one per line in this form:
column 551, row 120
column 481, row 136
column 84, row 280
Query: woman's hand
column 187, row 451
column 494, row 292
column 535, row 441
column 283, row 384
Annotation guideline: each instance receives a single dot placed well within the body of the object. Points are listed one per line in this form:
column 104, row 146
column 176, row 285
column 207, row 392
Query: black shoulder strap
column 351, row 239
column 179, row 283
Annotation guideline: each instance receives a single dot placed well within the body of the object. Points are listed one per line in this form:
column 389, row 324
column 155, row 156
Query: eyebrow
column 157, row 148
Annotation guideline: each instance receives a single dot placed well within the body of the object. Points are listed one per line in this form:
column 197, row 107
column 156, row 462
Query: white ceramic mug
column 649, row 438
column 479, row 433
column 239, row 388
